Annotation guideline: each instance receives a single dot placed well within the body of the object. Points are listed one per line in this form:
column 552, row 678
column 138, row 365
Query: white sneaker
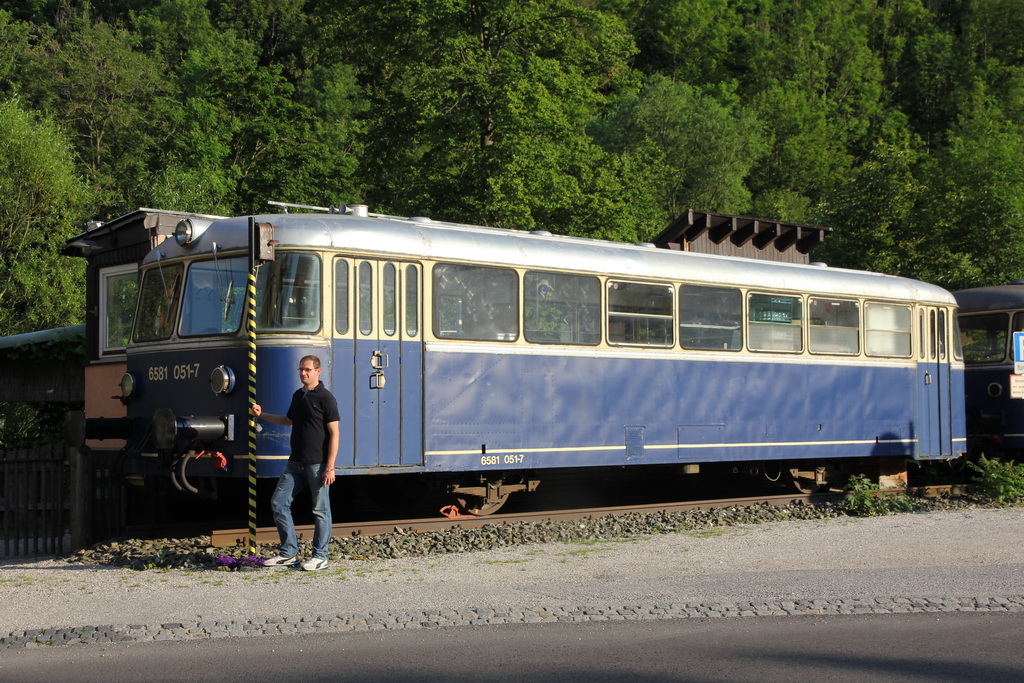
column 282, row 561
column 315, row 564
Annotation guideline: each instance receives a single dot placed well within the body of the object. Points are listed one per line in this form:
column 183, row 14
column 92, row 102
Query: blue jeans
column 296, row 477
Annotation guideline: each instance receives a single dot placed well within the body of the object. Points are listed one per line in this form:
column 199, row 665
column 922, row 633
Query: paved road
column 936, row 597
column 890, row 647
column 962, row 561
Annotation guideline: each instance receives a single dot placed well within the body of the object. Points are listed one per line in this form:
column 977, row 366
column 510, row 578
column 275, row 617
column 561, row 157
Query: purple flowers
column 236, row 563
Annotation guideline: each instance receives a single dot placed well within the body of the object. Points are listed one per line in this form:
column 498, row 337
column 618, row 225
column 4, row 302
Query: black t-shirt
column 310, row 411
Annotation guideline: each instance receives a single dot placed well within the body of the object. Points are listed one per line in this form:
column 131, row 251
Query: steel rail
column 231, row 537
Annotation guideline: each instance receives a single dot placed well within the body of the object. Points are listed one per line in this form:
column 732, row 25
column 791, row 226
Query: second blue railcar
column 988, row 318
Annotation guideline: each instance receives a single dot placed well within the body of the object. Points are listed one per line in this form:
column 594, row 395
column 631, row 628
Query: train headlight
column 222, row 380
column 128, row 385
column 188, row 230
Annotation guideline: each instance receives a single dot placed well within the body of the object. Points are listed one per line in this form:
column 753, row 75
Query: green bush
column 1002, row 482
column 865, row 500
column 27, row 425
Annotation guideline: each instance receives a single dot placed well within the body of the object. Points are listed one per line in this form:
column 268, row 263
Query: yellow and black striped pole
column 250, row 327
column 261, row 250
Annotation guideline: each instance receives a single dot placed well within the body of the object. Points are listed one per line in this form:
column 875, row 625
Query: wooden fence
column 55, row 500
column 34, row 502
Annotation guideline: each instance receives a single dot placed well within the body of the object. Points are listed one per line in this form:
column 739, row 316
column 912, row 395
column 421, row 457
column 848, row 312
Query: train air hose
column 180, row 480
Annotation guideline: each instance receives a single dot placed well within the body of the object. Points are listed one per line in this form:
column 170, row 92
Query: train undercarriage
column 481, row 494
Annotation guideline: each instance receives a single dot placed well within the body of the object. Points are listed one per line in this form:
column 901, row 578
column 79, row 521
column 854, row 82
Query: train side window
column 159, row 297
column 958, row 349
column 289, row 294
column 710, row 318
column 639, row 313
column 214, row 297
column 922, row 345
column 412, row 301
column 984, row 337
column 475, row 302
column 561, row 309
column 931, row 337
column 887, row 330
column 942, row 335
column 833, row 326
column 774, row 322
column 364, row 309
column 341, row 321
column 119, row 289
column 390, row 299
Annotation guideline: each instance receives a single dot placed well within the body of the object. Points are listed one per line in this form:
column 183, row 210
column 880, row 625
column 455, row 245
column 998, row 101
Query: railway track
column 232, row 537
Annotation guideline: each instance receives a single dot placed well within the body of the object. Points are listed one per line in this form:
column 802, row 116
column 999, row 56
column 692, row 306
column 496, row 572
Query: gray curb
column 378, row 621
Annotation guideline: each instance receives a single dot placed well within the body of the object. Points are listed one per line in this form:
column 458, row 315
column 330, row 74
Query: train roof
column 425, row 238
column 997, row 298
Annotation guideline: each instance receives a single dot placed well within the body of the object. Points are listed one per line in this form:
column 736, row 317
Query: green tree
column 811, row 75
column 38, row 11
column 692, row 41
column 479, row 111
column 701, row 144
column 248, row 134
column 928, row 91
column 974, row 214
column 992, row 31
column 13, row 51
column 107, row 95
column 45, row 202
column 279, row 27
column 251, row 117
column 872, row 213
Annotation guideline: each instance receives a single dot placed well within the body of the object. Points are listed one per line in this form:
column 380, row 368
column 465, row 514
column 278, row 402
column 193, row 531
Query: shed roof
column 740, row 230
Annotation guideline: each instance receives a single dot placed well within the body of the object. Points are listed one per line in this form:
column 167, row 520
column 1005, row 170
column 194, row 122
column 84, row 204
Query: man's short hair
column 315, row 359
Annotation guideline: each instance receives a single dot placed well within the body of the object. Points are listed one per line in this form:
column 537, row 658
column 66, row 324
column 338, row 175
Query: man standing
column 313, row 417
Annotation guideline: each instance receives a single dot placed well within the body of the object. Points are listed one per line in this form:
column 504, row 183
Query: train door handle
column 379, row 360
column 377, row 380
column 927, row 378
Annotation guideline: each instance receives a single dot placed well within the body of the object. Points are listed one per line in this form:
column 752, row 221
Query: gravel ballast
column 954, row 557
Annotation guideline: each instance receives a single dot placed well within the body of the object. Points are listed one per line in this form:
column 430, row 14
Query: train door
column 387, row 364
column 935, row 430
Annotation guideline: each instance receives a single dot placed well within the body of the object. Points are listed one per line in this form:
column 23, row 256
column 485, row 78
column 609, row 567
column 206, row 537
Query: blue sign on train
column 1018, row 353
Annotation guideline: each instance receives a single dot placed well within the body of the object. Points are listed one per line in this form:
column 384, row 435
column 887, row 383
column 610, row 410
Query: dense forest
column 898, row 123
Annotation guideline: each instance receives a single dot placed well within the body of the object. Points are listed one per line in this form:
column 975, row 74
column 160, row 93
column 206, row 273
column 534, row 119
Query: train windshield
column 159, row 297
column 985, row 338
column 214, row 298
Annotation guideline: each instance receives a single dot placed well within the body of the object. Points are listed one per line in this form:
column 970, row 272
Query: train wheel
column 486, row 494
column 478, row 505
column 806, row 486
column 808, row 482
column 958, row 465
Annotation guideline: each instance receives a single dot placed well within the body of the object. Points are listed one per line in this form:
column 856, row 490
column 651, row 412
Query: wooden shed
column 714, row 233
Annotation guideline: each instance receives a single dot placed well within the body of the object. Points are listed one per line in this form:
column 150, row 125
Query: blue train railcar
column 484, row 360
column 988, row 317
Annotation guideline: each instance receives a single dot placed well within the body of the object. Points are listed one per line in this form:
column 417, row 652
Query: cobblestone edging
column 376, row 621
